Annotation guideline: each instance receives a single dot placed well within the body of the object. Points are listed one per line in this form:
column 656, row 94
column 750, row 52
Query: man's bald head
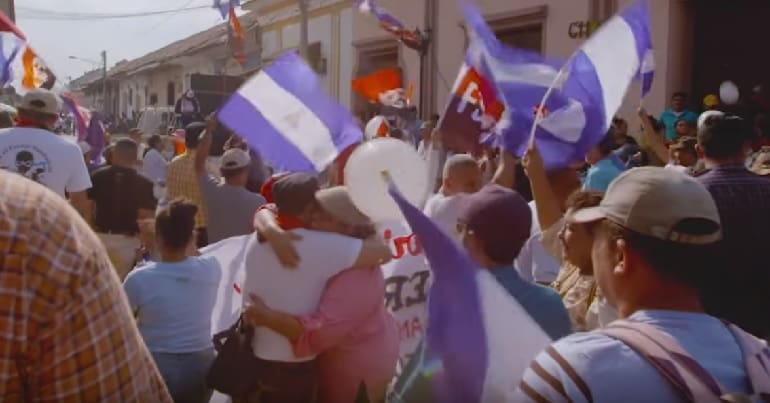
column 461, row 175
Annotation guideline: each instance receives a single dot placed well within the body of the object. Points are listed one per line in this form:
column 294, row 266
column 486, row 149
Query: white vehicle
column 156, row 120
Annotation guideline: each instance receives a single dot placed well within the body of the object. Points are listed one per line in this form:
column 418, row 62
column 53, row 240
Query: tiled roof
column 191, row 44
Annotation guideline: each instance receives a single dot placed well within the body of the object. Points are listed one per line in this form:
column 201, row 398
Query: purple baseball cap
column 500, row 218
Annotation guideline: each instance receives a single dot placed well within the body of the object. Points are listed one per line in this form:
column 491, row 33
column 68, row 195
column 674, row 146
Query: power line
column 167, row 19
column 40, row 14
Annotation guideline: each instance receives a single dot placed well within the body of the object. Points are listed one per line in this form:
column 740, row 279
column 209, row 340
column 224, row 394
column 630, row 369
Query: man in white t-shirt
column 32, row 150
column 461, row 176
column 297, row 290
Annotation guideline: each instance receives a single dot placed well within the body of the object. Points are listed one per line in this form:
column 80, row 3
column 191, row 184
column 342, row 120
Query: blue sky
column 128, row 38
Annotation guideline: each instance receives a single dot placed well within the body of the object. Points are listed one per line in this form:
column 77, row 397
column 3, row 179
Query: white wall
column 347, row 55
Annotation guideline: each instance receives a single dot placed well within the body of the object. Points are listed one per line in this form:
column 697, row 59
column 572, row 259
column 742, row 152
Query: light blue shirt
column 669, row 119
column 173, row 303
column 614, row 372
column 541, row 303
column 601, row 174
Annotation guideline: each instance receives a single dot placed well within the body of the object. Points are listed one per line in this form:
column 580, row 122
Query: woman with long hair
column 172, row 300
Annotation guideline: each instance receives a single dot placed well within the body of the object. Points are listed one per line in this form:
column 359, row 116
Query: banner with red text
column 407, row 282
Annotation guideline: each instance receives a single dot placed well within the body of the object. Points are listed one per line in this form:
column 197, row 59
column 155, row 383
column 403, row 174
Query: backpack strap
column 691, row 381
column 756, row 357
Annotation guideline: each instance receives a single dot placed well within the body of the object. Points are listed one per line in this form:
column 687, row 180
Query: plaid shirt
column 66, row 331
column 740, row 292
column 182, row 181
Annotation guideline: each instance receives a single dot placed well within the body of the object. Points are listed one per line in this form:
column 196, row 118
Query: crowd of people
column 642, row 263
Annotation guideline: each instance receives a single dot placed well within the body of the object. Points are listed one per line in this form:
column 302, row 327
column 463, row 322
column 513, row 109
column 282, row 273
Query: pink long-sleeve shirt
column 355, row 337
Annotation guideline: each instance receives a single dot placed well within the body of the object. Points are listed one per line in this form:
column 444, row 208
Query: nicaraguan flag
column 601, row 71
column 588, row 91
column 284, row 114
column 479, row 337
column 521, row 79
column 638, row 18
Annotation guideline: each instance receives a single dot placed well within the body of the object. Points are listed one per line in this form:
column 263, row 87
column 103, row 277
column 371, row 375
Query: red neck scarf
column 24, row 122
column 286, row 222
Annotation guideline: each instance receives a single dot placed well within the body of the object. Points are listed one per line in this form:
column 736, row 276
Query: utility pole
column 303, row 28
column 104, row 81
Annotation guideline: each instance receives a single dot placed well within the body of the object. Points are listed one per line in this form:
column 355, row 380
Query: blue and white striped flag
column 587, row 91
column 284, row 114
column 601, row 71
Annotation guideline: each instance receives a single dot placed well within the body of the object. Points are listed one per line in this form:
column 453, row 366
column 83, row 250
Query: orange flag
column 237, row 36
column 31, row 78
column 371, row 86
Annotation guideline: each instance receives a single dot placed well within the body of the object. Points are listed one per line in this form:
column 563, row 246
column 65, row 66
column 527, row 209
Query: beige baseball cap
column 651, row 201
column 337, row 202
column 42, row 101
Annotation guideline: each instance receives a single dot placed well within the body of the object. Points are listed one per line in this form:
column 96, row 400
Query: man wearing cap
column 741, row 289
column 122, row 197
column 654, row 236
column 283, row 376
column 494, row 224
column 231, row 207
column 49, row 159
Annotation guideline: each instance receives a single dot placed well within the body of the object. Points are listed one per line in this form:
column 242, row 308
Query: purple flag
column 95, row 137
column 482, row 336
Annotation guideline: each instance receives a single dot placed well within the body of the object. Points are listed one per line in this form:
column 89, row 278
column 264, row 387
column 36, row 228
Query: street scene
column 384, row 201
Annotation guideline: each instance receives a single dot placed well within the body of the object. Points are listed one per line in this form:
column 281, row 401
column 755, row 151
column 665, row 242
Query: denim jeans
column 185, row 374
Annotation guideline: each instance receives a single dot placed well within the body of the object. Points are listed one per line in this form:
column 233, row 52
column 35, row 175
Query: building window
column 371, row 57
column 530, row 37
column 521, row 28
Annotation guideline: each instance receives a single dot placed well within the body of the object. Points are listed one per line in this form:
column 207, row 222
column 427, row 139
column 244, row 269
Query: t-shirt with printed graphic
column 44, row 157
